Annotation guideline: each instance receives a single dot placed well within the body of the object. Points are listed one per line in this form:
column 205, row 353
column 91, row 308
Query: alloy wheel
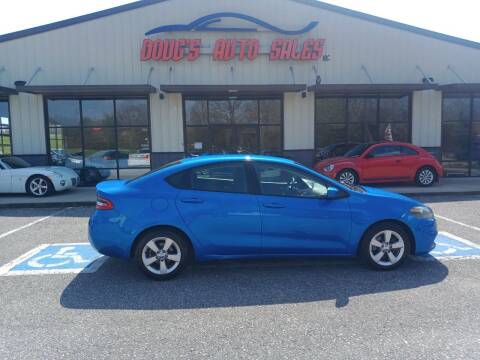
column 387, row 248
column 347, row 178
column 426, row 177
column 39, row 186
column 161, row 256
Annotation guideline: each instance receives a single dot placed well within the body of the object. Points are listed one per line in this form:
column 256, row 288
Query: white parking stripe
column 457, row 222
column 31, row 224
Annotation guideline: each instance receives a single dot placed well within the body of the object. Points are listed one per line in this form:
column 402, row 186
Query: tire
column 426, row 176
column 39, row 186
column 168, row 260
column 347, row 177
column 394, row 252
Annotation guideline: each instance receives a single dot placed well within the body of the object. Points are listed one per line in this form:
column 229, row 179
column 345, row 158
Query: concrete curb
column 66, row 204
column 48, row 205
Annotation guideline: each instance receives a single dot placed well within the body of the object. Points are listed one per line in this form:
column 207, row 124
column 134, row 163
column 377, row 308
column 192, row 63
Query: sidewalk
column 87, row 197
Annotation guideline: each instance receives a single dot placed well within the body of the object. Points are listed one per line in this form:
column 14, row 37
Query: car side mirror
column 333, row 193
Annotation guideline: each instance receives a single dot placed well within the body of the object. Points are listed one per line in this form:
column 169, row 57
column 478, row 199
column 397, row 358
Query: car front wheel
column 385, row 246
column 347, row 177
column 39, row 186
column 162, row 255
column 426, row 176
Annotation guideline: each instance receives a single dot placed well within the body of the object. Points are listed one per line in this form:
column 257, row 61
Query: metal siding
column 427, row 118
column 167, row 123
column 28, row 126
column 112, row 44
column 299, row 121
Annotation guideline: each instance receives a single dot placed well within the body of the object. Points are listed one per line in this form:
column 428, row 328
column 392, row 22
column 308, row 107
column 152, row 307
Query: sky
column 458, row 18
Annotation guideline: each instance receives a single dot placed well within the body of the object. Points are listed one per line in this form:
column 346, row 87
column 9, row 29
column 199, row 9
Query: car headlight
column 422, row 212
column 329, row 167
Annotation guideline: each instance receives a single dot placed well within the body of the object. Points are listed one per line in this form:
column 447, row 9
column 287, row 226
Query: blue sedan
column 239, row 207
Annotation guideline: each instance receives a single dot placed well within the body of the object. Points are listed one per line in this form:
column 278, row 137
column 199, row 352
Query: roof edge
column 314, row 3
column 77, row 20
column 390, row 23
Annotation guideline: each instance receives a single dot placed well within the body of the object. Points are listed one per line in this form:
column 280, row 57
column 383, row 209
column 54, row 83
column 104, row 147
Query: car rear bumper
column 111, row 233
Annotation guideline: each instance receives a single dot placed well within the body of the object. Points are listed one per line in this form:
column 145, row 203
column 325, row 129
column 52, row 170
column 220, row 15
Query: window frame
column 7, row 100
column 347, row 123
column 115, row 126
column 233, row 125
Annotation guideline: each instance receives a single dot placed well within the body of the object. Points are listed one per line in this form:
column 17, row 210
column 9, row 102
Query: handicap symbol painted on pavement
column 56, row 259
column 449, row 246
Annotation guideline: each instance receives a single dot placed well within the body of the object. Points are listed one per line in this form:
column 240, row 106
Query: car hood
column 388, row 194
column 66, row 172
column 336, row 160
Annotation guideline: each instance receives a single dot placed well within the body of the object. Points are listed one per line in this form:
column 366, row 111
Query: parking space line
column 32, row 223
column 457, row 222
column 6, row 268
column 462, row 240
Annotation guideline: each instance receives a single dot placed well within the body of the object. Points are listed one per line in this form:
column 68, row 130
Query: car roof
column 205, row 159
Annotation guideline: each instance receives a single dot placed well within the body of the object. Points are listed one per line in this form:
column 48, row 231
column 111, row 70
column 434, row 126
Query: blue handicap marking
column 56, row 259
column 449, row 246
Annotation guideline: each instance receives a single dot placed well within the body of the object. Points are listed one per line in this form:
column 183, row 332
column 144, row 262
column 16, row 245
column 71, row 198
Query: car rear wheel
column 347, row 177
column 385, row 246
column 426, row 176
column 162, row 255
column 39, row 186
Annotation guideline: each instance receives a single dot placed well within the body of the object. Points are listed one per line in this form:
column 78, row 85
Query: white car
column 18, row 176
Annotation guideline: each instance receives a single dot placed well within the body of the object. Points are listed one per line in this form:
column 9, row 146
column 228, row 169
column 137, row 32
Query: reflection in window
column 97, row 112
column 5, row 132
column 350, row 120
column 461, row 135
column 103, row 140
column 133, row 112
column 278, row 180
column 64, row 112
column 233, row 126
column 229, row 178
column 196, row 112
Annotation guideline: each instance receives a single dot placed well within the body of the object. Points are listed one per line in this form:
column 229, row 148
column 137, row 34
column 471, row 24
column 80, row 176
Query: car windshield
column 16, row 163
column 357, row 150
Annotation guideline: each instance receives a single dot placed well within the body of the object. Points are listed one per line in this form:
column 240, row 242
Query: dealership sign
column 225, row 49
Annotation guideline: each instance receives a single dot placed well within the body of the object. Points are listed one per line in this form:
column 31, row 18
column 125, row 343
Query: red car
column 383, row 162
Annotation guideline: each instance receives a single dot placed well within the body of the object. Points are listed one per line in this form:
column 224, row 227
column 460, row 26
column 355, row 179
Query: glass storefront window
column 97, row 112
column 64, row 113
column 270, row 112
column 133, row 112
column 5, row 129
column 345, row 121
column 456, row 110
column 233, row 126
column 196, row 112
column 99, row 137
column 461, row 135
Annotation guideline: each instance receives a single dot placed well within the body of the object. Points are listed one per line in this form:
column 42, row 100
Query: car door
column 381, row 163
column 219, row 210
column 5, row 179
column 296, row 216
column 409, row 162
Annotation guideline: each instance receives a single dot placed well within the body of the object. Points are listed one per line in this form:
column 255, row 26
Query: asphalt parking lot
column 327, row 308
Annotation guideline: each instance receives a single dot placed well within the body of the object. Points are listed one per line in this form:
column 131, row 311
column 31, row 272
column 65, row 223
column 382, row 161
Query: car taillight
column 107, row 158
column 103, row 204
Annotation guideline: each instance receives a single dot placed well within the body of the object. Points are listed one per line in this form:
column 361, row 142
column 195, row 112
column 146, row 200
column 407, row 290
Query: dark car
column 333, row 150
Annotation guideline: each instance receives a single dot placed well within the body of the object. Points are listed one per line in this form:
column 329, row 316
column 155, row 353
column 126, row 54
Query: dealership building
column 124, row 90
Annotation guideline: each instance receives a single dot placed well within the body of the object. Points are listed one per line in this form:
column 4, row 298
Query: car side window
column 383, row 151
column 407, row 151
column 279, row 180
column 227, row 177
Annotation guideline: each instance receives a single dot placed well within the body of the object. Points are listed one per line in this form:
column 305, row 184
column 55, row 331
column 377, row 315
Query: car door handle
column 274, row 206
column 192, row 201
